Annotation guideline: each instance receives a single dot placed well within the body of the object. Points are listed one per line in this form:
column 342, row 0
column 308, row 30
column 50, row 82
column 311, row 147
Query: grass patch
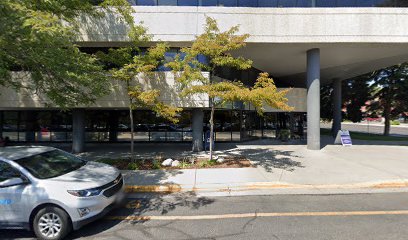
column 208, row 163
column 367, row 136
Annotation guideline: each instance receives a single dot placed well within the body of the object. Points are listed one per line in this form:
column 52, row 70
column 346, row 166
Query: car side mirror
column 13, row 182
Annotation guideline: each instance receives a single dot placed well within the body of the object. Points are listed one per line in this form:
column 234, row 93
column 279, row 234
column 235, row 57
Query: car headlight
column 85, row 193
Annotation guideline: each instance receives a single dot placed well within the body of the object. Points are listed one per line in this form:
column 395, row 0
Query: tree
column 356, row 93
column 38, row 41
column 216, row 46
column 390, row 93
column 131, row 64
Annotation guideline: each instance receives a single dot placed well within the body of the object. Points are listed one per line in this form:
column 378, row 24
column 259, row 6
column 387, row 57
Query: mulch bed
column 199, row 163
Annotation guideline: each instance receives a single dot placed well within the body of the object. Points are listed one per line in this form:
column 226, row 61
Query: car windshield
column 51, row 164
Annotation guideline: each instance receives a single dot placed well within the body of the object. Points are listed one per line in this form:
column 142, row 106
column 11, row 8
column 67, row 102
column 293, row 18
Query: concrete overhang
column 352, row 41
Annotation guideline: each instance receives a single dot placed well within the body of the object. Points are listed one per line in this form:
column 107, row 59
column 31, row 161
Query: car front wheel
column 51, row 223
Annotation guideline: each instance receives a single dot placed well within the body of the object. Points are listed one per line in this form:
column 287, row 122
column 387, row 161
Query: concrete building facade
column 303, row 44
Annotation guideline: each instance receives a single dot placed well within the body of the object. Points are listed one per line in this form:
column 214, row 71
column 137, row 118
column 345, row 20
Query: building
column 302, row 43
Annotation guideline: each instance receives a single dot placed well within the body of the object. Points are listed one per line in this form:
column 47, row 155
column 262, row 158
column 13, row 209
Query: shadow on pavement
column 152, row 205
column 270, row 159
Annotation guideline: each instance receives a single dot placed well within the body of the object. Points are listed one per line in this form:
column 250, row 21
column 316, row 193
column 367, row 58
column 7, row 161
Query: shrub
column 133, row 166
column 395, row 122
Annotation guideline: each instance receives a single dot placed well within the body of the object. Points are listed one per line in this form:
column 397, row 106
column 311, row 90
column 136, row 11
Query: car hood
column 92, row 174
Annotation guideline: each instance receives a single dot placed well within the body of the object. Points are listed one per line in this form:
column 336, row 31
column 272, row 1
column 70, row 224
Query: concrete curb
column 173, row 188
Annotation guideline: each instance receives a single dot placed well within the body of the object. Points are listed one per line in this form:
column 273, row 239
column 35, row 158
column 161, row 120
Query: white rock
column 220, row 160
column 175, row 163
column 167, row 162
column 214, row 157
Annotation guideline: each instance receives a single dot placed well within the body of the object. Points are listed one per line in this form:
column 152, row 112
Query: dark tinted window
column 267, row 3
column 227, row 3
column 7, row 172
column 208, row 2
column 147, row 2
column 346, row 3
column 187, row 2
column 287, row 3
column 325, row 3
column 167, row 2
column 247, row 3
column 304, row 3
column 51, row 164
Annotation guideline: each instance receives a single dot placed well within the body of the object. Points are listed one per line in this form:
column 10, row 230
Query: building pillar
column 313, row 99
column 337, row 104
column 78, row 130
column 113, row 126
column 30, row 120
column 197, row 128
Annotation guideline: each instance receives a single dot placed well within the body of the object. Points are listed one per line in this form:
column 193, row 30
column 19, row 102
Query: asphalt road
column 395, row 130
column 185, row 216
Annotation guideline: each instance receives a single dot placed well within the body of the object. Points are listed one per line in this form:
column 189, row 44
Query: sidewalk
column 283, row 169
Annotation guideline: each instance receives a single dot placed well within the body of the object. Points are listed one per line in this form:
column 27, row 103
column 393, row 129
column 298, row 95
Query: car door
column 12, row 197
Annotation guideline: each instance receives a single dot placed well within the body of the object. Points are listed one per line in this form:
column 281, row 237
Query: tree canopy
column 217, row 47
column 38, row 40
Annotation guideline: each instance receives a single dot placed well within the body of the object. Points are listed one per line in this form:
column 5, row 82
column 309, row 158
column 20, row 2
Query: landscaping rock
column 220, row 160
column 167, row 162
column 175, row 163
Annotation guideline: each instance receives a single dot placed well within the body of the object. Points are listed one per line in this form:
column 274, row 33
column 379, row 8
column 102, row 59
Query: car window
column 51, row 164
column 7, row 172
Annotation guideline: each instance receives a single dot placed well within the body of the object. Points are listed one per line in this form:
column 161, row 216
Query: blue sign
column 5, row 201
column 207, row 141
column 345, row 138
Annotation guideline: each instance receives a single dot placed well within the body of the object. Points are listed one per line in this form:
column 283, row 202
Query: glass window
column 7, row 172
column 51, row 164
column 346, row 3
column 167, row 2
column 325, row 3
column 401, row 3
column 187, row 2
column 304, row 3
column 247, row 3
column 208, row 2
column 267, row 3
column 147, row 2
column 227, row 3
column 168, row 57
column 287, row 3
column 10, row 120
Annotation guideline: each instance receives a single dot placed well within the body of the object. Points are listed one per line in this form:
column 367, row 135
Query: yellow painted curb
column 254, row 215
column 173, row 188
column 170, row 188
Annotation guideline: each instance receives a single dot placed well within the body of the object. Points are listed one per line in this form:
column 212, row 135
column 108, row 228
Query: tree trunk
column 212, row 128
column 387, row 118
column 132, row 142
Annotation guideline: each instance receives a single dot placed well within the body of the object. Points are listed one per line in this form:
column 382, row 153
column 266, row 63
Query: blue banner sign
column 5, row 201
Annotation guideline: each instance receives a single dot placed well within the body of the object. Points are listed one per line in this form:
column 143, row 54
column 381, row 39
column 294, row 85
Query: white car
column 52, row 192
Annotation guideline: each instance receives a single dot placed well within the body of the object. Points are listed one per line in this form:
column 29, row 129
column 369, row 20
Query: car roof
column 18, row 152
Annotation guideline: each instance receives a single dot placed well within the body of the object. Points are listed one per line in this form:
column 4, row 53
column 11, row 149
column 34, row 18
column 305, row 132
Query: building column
column 197, row 128
column 313, row 99
column 78, row 130
column 337, row 104
column 113, row 126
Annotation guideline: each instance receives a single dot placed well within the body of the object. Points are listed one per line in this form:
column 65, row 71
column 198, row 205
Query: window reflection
column 227, row 3
column 167, row 2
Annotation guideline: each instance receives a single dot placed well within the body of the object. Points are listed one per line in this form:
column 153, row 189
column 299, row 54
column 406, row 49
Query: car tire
column 51, row 223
